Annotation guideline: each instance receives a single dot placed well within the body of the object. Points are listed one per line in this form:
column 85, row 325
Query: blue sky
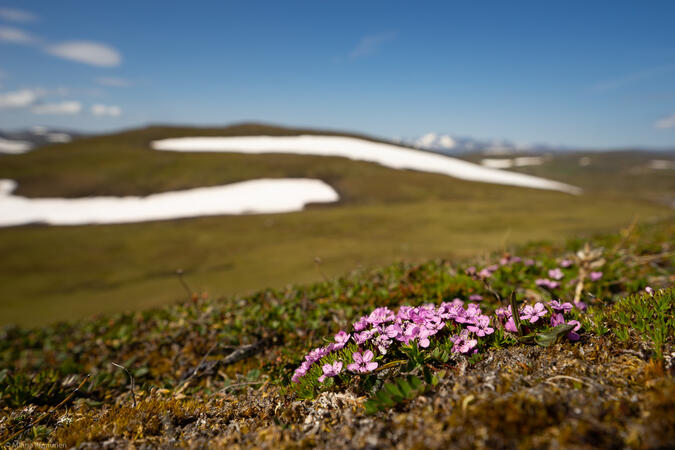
column 591, row 74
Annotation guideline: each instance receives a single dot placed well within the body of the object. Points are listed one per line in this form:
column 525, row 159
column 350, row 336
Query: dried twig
column 39, row 419
column 185, row 382
column 133, row 384
column 317, row 262
column 183, row 283
column 492, row 291
column 246, row 383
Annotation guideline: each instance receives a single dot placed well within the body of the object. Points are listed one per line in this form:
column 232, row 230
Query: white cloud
column 86, row 52
column 16, row 36
column 371, row 44
column 61, row 108
column 106, row 110
column 20, row 99
column 17, row 15
column 665, row 123
column 113, row 82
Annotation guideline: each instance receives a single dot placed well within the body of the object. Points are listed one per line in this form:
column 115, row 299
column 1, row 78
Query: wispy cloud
column 17, row 15
column 106, row 110
column 87, row 52
column 665, row 123
column 113, row 82
column 635, row 77
column 20, row 99
column 93, row 53
column 16, row 36
column 369, row 45
column 61, row 108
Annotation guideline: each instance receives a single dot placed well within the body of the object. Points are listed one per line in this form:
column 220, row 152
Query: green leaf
column 546, row 339
column 371, row 406
column 394, row 390
column 415, row 382
column 405, row 387
column 382, row 397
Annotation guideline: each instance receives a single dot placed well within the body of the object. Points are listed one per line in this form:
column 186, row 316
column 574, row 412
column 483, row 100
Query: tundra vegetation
column 384, row 215
column 564, row 343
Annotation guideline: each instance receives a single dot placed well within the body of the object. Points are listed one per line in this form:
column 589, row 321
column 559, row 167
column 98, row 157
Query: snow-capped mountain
column 21, row 141
column 449, row 144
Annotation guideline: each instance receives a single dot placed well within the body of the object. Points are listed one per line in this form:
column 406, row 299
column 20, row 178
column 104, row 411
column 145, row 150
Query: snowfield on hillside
column 14, row 147
column 247, row 197
column 388, row 155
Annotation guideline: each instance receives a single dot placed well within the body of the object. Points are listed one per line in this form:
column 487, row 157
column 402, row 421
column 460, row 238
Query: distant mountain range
column 449, row 144
column 21, row 141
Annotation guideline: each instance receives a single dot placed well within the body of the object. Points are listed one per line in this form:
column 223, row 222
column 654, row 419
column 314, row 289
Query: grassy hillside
column 217, row 373
column 54, row 273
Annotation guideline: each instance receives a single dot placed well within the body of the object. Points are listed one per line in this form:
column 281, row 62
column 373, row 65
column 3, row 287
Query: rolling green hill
column 384, row 215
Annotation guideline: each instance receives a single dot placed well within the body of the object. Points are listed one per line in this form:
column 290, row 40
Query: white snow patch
column 661, row 164
column 14, row 147
column 523, row 161
column 497, row 163
column 388, row 155
column 507, row 163
column 263, row 196
column 59, row 137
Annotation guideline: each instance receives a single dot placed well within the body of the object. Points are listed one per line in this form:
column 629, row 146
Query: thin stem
column 133, row 384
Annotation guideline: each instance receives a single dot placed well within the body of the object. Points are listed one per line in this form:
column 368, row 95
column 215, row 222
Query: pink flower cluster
column 383, row 328
column 531, row 315
column 489, row 270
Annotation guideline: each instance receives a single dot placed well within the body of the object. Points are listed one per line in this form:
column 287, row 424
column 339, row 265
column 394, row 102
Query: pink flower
column 363, row 363
column 565, row 263
column 545, row 282
column 392, row 331
column 381, row 315
column 382, row 342
column 649, row 291
column 595, row 276
column 361, row 324
column 533, row 313
column 503, row 313
column 475, row 298
column 316, row 355
column 462, row 343
column 557, row 306
column 557, row 319
column 341, row 340
column 510, row 325
column 572, row 335
column 481, row 326
column 556, row 274
column 330, row 370
column 364, row 336
column 485, row 273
